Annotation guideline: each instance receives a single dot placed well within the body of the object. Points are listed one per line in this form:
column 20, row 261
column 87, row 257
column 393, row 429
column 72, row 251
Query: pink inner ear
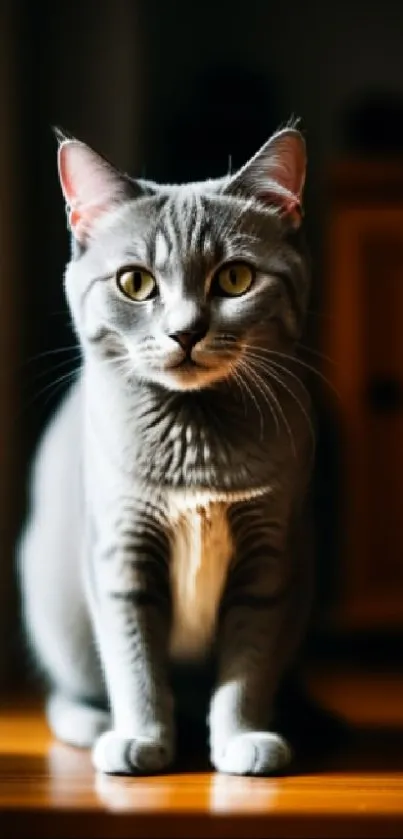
column 81, row 223
column 292, row 208
column 286, row 165
column 287, row 202
column 90, row 186
column 276, row 174
column 287, row 168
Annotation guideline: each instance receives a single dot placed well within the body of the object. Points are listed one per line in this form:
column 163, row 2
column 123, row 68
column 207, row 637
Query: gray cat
column 168, row 518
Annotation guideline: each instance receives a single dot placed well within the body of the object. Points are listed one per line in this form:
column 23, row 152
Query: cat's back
column 56, row 474
column 49, row 556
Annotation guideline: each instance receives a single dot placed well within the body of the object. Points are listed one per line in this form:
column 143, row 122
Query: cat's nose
column 187, row 340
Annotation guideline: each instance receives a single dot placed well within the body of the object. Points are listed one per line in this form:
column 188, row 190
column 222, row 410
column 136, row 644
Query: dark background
column 168, row 90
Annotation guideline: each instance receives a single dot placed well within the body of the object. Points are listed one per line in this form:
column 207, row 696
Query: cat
column 168, row 520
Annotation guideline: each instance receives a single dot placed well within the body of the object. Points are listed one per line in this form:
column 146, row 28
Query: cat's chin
column 189, row 377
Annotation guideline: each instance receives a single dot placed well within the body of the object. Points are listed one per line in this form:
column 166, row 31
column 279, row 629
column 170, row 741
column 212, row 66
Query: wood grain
column 48, row 789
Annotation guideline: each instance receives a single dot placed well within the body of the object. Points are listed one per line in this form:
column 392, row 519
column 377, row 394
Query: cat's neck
column 210, row 438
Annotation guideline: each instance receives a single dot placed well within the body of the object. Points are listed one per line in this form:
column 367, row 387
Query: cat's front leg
column 128, row 586
column 252, row 641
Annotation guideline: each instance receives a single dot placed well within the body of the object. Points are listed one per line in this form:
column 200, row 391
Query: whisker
column 252, row 396
column 317, row 353
column 265, row 391
column 307, row 367
column 269, row 363
column 48, row 353
column 43, row 373
column 278, row 378
column 66, row 378
column 239, row 382
column 279, row 408
column 53, row 387
column 268, row 354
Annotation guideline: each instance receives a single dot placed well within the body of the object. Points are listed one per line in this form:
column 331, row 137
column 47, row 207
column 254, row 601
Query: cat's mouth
column 191, row 370
column 192, row 374
column 187, row 363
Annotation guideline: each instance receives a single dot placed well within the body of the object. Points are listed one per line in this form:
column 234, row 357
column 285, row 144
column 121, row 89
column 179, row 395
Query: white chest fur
column 201, row 551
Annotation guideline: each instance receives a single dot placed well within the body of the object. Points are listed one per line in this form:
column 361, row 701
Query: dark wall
column 179, row 89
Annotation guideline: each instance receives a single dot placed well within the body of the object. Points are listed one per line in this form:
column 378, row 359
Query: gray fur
column 134, row 439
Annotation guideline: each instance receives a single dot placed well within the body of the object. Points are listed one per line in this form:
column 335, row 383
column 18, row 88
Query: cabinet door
column 364, row 338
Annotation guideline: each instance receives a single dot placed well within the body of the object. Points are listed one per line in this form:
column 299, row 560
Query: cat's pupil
column 137, row 280
column 232, row 276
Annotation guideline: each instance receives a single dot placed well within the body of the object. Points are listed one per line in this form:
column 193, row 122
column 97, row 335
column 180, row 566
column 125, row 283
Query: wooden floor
column 50, row 790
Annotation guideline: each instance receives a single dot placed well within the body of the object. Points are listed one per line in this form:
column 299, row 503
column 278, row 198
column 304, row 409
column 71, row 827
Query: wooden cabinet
column 363, row 335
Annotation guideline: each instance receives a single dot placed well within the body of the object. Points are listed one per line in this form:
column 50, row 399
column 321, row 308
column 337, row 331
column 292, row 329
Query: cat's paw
column 116, row 755
column 253, row 753
column 75, row 722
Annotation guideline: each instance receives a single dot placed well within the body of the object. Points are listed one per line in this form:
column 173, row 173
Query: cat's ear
column 276, row 174
column 91, row 186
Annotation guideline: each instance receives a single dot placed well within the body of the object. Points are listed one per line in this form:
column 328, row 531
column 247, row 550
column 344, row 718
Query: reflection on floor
column 356, row 789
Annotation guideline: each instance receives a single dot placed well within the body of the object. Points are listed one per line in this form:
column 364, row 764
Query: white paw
column 253, row 753
column 116, row 755
column 75, row 723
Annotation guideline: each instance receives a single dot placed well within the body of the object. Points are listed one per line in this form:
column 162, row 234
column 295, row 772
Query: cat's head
column 187, row 285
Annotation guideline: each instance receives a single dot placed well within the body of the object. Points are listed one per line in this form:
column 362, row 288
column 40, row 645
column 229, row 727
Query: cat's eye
column 233, row 280
column 136, row 283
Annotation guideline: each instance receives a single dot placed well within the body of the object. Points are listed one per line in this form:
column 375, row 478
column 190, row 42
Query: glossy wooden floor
column 50, row 790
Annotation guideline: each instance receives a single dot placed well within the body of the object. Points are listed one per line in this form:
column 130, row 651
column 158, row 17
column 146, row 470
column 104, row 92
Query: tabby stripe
column 254, row 601
column 131, row 553
column 174, row 221
column 157, row 572
column 140, row 597
column 98, row 337
column 193, row 228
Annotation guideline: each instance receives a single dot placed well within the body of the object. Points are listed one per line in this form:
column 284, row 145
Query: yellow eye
column 234, row 279
column 136, row 283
